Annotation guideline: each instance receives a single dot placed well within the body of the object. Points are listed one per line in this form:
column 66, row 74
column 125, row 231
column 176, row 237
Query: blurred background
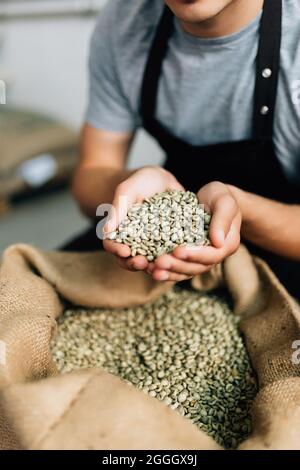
column 44, row 47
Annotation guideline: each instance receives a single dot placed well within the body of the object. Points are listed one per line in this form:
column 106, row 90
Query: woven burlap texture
column 91, row 409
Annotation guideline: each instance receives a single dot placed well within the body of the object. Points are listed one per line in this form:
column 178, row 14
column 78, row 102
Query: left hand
column 187, row 262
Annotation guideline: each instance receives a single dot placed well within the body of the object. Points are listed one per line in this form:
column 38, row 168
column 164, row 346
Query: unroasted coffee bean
column 184, row 349
column 163, row 222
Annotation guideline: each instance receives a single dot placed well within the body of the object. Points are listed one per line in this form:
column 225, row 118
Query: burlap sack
column 91, row 409
column 25, row 135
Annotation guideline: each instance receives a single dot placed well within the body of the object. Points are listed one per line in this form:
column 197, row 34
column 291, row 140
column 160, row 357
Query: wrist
column 245, row 202
column 255, row 210
column 238, row 194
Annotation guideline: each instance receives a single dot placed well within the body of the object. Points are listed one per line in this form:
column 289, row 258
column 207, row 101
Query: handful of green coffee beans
column 163, row 222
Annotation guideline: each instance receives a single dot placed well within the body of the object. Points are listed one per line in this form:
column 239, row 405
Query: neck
column 233, row 18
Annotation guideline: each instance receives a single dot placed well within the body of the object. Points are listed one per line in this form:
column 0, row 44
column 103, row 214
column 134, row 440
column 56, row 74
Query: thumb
column 124, row 198
column 224, row 209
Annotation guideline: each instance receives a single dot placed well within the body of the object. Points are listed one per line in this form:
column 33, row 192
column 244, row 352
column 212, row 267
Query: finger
column 124, row 198
column 186, row 272
column 234, row 237
column 118, row 249
column 218, row 200
column 176, row 185
column 224, row 210
column 150, row 268
column 174, row 265
column 210, row 192
column 124, row 264
column 205, row 255
column 138, row 263
column 161, row 275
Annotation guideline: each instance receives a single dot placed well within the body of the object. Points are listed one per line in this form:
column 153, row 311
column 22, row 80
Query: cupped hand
column 140, row 185
column 224, row 234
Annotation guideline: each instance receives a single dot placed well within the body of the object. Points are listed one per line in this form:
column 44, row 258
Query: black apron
column 252, row 164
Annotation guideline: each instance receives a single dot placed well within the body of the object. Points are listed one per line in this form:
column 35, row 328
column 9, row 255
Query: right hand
column 140, row 185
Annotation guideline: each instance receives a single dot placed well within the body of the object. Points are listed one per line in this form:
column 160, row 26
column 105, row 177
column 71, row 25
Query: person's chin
column 193, row 11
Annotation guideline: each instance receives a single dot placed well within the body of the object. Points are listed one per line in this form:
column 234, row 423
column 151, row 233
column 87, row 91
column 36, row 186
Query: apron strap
column 268, row 65
column 153, row 68
column 268, row 62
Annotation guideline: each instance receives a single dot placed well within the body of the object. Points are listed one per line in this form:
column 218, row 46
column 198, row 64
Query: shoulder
column 121, row 41
column 121, row 22
column 119, row 47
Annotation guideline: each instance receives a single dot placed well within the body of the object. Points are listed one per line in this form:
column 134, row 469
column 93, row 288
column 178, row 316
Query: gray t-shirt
column 207, row 85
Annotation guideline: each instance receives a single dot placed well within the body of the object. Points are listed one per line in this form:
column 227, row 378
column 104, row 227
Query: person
column 217, row 84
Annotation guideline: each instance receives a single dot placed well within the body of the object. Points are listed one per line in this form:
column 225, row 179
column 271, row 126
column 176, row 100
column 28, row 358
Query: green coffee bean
column 176, row 218
column 170, row 350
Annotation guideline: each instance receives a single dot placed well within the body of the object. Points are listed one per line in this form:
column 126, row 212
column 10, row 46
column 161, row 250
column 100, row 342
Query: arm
column 271, row 225
column 103, row 153
column 100, row 168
